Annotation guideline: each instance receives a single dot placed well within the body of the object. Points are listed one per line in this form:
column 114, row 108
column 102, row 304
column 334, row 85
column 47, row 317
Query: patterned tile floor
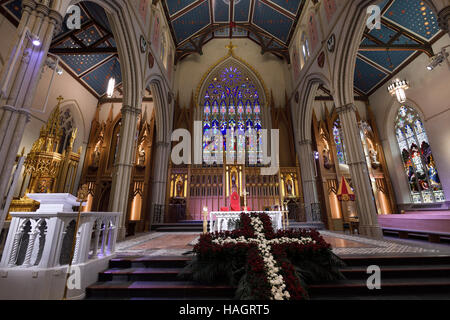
column 175, row 244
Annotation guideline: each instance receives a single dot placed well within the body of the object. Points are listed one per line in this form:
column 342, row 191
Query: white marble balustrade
column 43, row 239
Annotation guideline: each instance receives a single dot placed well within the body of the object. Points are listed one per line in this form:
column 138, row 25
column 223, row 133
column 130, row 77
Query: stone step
column 149, row 262
column 402, row 286
column 156, row 278
column 392, row 272
column 140, row 274
column 382, row 260
column 157, row 289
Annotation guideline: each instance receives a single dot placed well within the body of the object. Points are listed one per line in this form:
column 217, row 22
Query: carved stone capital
column 162, row 144
column 21, row 111
column 443, row 18
column 305, row 142
column 56, row 18
column 347, row 108
column 42, row 9
column 129, row 109
column 28, row 5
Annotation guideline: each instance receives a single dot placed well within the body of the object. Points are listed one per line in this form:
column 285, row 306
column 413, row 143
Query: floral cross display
column 264, row 265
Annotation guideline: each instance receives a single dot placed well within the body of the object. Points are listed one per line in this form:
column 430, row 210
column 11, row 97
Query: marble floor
column 175, row 244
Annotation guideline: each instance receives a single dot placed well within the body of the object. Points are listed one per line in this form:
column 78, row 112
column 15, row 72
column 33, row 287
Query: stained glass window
column 339, row 142
column 418, row 160
column 231, row 102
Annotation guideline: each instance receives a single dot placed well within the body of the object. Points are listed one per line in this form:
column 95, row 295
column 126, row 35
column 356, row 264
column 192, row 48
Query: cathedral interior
column 93, row 94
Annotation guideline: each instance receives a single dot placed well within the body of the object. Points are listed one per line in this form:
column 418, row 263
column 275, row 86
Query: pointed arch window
column 420, row 167
column 339, row 142
column 232, row 101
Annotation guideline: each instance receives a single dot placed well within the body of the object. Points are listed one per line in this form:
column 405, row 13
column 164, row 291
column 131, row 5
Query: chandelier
column 397, row 88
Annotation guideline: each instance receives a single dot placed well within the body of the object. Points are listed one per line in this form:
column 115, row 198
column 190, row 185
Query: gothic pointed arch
column 232, row 98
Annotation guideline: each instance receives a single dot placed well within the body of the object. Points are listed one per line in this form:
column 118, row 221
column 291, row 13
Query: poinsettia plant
column 261, row 263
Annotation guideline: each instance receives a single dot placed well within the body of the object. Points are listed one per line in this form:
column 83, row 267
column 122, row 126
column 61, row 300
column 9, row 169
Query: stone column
column 123, row 167
column 444, row 19
column 159, row 182
column 19, row 89
column 365, row 201
column 311, row 198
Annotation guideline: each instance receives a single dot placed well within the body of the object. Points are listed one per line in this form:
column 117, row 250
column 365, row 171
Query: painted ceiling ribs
column 269, row 23
column 407, row 30
column 88, row 54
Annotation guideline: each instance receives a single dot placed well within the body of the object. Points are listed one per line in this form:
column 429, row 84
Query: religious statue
column 233, row 182
column 180, row 189
column 289, row 188
column 141, row 155
column 96, row 155
column 374, row 158
column 326, row 159
column 97, row 150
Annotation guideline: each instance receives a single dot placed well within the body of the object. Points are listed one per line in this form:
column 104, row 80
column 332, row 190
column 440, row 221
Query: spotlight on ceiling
column 34, row 39
column 437, row 60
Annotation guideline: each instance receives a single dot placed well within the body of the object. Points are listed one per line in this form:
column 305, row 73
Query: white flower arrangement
column 276, row 280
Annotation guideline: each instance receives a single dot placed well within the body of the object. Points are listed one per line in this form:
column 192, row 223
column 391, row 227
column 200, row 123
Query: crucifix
column 60, row 99
column 230, row 47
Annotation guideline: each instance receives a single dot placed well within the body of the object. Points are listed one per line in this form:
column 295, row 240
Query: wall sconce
column 398, row 88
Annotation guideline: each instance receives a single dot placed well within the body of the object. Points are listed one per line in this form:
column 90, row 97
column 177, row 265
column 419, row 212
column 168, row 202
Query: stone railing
column 44, row 239
column 226, row 220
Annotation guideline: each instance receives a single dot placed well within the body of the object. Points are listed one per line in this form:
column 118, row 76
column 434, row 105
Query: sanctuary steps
column 403, row 277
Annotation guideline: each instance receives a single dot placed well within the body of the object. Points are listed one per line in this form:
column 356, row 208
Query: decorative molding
column 347, row 108
column 305, row 142
column 130, row 109
column 443, row 18
column 23, row 111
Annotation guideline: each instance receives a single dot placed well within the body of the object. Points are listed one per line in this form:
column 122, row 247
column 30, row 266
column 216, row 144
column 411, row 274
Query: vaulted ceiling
column 270, row 23
column 408, row 28
column 89, row 54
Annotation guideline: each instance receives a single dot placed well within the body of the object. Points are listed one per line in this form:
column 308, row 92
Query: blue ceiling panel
column 191, row 22
column 367, row 42
column 382, row 4
column 81, row 63
column 415, row 16
column 89, row 36
column 405, row 40
column 222, row 33
column 418, row 27
column 289, row 5
column 68, row 44
column 221, row 11
column 242, row 11
column 15, row 7
column 388, row 60
column 98, row 79
column 385, row 34
column 367, row 76
column 176, row 5
column 239, row 32
column 99, row 14
column 272, row 21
